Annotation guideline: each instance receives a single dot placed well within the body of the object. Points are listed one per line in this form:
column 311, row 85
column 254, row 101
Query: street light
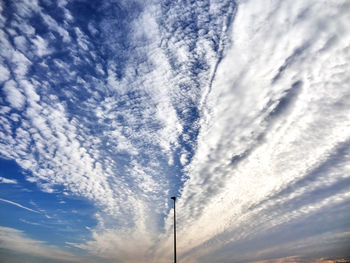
column 174, row 198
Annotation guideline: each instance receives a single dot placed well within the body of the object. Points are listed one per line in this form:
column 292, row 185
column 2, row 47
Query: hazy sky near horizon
column 241, row 109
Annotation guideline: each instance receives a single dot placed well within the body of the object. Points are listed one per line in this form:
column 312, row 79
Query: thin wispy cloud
column 18, row 205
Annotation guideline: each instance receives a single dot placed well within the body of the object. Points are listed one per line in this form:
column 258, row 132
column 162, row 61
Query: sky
column 240, row 109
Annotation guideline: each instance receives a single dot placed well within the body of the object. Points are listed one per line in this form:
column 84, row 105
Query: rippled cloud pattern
column 239, row 108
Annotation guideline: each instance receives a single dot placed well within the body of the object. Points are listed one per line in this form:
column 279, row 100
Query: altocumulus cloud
column 241, row 108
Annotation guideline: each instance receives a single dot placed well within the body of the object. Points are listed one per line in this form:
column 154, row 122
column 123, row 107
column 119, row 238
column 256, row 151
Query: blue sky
column 239, row 108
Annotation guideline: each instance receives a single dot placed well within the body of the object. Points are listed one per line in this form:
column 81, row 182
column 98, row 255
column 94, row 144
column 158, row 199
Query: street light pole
column 174, row 198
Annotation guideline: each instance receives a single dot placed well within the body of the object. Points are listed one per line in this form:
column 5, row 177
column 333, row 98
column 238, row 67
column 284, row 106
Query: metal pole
column 174, row 198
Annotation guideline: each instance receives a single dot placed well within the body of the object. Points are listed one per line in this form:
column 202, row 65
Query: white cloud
column 53, row 25
column 21, row 43
column 13, row 95
column 26, row 8
column 4, row 180
column 122, row 246
column 20, row 64
column 272, row 107
column 11, row 238
column 4, row 73
column 265, row 126
column 81, row 39
column 41, row 46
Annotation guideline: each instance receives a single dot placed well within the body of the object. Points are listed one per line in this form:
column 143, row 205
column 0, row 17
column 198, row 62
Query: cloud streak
column 19, row 205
